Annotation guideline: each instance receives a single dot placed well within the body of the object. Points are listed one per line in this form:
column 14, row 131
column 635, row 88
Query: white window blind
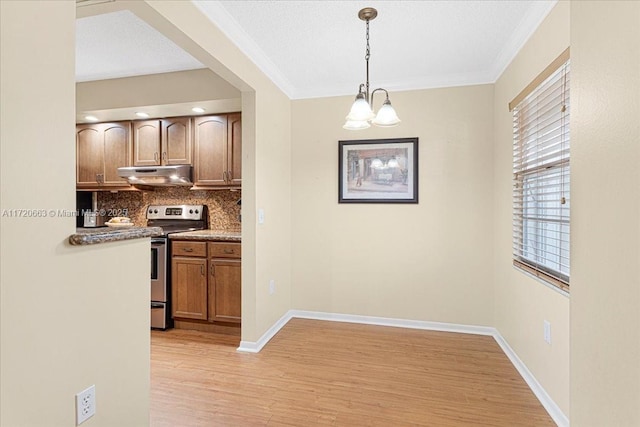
column 541, row 174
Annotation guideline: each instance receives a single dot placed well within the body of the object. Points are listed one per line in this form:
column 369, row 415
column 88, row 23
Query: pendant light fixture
column 361, row 114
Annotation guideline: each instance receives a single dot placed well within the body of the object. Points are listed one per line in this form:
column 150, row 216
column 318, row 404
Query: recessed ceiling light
column 198, row 110
column 91, row 118
column 142, row 115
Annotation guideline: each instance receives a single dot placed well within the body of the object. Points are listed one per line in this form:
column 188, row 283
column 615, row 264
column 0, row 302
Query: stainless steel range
column 172, row 219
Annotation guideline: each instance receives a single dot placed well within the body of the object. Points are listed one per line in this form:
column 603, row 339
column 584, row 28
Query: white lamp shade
column 387, row 116
column 376, row 164
column 356, row 124
column 393, row 163
column 360, row 110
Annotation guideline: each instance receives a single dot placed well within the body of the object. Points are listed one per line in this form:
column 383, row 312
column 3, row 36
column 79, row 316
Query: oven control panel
column 192, row 212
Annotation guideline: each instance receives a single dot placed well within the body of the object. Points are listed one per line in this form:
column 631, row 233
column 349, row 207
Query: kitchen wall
column 222, row 204
column 266, row 158
column 70, row 316
column 522, row 304
column 429, row 261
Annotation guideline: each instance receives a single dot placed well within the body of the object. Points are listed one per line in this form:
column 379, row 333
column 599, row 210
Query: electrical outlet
column 272, row 287
column 85, row 405
column 547, row 332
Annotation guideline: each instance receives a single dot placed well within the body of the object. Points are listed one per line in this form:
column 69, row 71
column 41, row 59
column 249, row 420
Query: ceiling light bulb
column 387, row 116
column 198, row 110
column 356, row 124
column 142, row 114
column 360, row 110
column 91, row 118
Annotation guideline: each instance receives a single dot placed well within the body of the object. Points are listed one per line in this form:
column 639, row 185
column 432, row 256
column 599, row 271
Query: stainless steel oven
column 172, row 219
column 159, row 288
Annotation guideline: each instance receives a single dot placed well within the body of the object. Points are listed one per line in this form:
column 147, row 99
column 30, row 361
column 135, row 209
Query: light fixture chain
column 368, row 53
column 366, row 57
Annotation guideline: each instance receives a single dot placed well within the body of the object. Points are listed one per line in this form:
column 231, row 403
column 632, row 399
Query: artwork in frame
column 378, row 171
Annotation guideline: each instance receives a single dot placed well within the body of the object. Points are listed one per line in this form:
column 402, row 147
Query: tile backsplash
column 222, row 204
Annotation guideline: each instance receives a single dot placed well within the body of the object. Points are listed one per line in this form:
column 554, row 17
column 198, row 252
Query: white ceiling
column 316, row 48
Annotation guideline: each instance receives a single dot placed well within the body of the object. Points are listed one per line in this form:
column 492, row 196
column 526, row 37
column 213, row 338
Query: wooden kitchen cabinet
column 225, row 282
column 162, row 142
column 189, row 283
column 214, row 297
column 217, row 145
column 102, row 148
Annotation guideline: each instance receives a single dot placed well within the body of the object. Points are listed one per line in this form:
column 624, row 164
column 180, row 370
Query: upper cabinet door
column 146, row 143
column 210, row 146
column 117, row 152
column 101, row 149
column 234, row 151
column 176, row 141
column 89, row 155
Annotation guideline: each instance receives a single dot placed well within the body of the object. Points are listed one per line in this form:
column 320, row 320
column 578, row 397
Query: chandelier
column 361, row 114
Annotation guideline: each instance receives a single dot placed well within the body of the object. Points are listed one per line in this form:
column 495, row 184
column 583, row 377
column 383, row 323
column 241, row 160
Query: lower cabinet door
column 225, row 290
column 189, row 288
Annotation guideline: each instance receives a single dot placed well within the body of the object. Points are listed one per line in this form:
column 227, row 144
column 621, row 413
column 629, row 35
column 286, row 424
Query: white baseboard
column 255, row 347
column 550, row 406
column 554, row 410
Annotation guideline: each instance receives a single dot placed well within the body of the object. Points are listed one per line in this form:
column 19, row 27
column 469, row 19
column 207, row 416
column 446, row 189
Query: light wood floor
column 316, row 373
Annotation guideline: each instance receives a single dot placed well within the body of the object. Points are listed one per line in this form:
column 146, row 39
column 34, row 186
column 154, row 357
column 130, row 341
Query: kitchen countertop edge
column 210, row 235
column 106, row 235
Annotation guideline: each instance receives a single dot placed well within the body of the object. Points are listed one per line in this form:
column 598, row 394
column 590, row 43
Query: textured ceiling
column 119, row 44
column 316, row 48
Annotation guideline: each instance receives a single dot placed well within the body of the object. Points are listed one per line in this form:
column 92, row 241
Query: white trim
column 255, row 347
column 398, row 323
column 547, row 402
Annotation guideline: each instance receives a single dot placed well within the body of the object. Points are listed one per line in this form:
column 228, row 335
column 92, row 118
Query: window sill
column 552, row 286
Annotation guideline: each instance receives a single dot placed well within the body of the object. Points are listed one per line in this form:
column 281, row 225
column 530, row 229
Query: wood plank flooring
column 315, row 373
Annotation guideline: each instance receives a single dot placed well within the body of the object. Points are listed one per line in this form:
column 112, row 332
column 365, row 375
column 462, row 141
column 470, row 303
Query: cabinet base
column 203, row 326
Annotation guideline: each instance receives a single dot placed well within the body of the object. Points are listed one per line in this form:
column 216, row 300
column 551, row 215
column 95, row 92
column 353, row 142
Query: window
column 541, row 175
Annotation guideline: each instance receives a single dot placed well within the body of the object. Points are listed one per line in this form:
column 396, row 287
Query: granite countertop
column 213, row 235
column 91, row 236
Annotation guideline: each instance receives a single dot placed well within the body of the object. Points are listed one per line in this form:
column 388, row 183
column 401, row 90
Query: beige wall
column 68, row 319
column 605, row 186
column 266, row 147
column 154, row 89
column 522, row 304
column 427, row 261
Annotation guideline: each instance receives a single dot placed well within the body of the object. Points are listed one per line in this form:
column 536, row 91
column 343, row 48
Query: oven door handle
column 157, row 305
column 158, row 241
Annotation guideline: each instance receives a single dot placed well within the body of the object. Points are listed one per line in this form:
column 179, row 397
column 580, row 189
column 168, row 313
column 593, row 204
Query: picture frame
column 378, row 171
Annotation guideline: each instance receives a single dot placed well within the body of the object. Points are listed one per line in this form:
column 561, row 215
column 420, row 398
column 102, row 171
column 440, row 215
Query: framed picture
column 378, row 171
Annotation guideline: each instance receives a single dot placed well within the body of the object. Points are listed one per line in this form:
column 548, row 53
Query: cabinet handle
column 187, row 249
column 224, row 176
column 213, row 270
column 230, row 176
column 164, row 155
column 155, row 156
column 202, row 270
column 229, row 251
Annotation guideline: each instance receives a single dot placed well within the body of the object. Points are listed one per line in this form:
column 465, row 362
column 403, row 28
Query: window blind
column 541, row 179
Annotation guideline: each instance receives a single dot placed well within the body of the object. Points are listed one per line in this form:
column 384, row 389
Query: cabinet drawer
column 224, row 250
column 184, row 248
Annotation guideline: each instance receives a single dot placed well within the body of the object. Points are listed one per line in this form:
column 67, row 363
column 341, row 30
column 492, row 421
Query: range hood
column 157, row 176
